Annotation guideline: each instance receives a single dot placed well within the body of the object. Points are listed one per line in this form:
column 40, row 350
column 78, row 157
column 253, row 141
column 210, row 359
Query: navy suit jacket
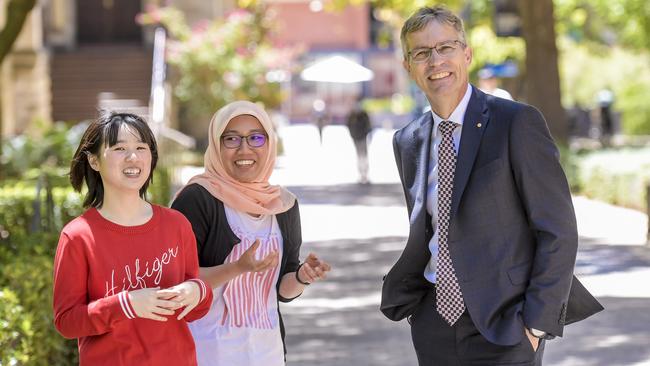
column 512, row 234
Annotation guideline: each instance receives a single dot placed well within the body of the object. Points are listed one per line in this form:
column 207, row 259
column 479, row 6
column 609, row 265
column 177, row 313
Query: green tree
column 624, row 22
column 607, row 45
column 223, row 60
column 542, row 87
column 16, row 13
column 599, row 24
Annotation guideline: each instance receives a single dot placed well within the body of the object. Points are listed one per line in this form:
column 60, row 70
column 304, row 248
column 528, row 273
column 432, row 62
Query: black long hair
column 104, row 131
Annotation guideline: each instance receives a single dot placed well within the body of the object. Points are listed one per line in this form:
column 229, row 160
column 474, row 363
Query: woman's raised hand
column 313, row 269
column 248, row 263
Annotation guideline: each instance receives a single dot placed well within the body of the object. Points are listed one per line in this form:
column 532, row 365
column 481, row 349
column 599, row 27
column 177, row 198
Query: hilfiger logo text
column 137, row 276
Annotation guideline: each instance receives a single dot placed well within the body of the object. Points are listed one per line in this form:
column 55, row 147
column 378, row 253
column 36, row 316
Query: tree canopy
column 223, row 60
column 598, row 25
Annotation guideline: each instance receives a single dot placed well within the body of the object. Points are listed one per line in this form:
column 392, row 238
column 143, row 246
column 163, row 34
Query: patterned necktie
column 449, row 299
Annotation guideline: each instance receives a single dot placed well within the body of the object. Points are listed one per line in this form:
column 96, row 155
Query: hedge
column 616, row 176
column 26, row 279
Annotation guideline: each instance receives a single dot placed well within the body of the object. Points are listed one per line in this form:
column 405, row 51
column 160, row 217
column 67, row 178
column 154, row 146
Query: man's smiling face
column 442, row 79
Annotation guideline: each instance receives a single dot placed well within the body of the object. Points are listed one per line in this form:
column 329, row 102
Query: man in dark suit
column 486, row 275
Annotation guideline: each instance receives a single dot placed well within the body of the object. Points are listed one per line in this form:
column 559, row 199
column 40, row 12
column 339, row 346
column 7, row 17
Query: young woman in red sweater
column 126, row 271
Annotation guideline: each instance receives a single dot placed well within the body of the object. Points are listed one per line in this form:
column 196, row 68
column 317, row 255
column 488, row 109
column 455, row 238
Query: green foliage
column 594, row 28
column 570, row 165
column 615, row 176
column 15, row 330
column 398, row 104
column 223, row 60
column 626, row 22
column 17, row 208
column 17, row 204
column 396, row 11
column 633, row 103
column 624, row 71
column 26, row 281
column 159, row 191
column 26, row 260
column 488, row 48
column 44, row 149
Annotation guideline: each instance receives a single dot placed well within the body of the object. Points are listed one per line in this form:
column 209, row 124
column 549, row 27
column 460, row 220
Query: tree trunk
column 17, row 11
column 542, row 86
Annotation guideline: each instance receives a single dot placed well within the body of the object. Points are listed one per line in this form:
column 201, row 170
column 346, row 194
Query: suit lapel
column 475, row 122
column 422, row 139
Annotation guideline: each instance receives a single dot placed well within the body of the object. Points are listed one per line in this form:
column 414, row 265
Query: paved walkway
column 361, row 230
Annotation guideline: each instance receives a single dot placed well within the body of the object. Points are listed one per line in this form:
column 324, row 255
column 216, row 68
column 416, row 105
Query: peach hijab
column 257, row 197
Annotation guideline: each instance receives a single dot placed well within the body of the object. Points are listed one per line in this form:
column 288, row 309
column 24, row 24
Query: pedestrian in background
column 359, row 126
column 125, row 271
column 605, row 98
column 235, row 212
column 489, row 84
column 486, row 276
column 319, row 116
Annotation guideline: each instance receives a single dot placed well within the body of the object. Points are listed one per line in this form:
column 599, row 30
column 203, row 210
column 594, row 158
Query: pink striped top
column 243, row 326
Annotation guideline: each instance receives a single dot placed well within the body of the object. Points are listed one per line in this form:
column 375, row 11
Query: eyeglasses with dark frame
column 443, row 49
column 254, row 140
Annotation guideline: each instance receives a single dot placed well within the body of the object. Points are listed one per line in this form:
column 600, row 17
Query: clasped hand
column 153, row 303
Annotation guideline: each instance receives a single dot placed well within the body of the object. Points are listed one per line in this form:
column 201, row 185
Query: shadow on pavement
column 351, row 194
column 594, row 258
column 616, row 336
column 338, row 322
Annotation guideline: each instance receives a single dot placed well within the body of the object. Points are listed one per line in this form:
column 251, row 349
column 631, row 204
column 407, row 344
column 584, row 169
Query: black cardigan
column 215, row 239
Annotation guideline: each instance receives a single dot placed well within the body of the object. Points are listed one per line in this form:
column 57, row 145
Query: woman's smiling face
column 244, row 163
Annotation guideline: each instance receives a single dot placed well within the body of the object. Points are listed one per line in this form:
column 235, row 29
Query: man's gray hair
column 425, row 15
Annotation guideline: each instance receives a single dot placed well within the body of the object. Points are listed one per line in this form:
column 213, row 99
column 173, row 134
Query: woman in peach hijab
column 248, row 237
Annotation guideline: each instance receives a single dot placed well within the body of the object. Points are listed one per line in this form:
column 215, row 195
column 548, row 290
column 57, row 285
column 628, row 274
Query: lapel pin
column 479, row 125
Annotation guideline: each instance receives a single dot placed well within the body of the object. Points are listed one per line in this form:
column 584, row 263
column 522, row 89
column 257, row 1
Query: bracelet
column 298, row 278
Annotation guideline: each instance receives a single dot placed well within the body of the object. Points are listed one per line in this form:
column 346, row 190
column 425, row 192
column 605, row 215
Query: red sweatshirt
column 97, row 262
